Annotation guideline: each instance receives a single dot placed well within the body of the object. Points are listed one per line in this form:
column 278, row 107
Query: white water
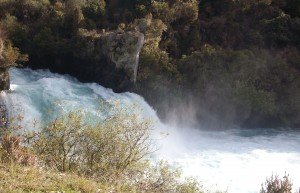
column 235, row 160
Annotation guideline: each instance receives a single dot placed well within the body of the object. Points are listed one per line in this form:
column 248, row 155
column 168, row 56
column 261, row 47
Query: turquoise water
column 39, row 95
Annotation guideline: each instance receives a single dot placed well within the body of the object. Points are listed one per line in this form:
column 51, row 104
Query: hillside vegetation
column 235, row 62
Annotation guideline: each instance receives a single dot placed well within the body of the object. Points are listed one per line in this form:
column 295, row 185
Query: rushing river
column 234, row 160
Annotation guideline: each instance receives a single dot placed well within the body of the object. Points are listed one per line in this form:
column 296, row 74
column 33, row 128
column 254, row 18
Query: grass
column 16, row 178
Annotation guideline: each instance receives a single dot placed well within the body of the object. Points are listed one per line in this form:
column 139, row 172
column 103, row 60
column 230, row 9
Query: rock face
column 123, row 50
column 108, row 58
column 4, row 85
column 4, row 79
column 4, row 75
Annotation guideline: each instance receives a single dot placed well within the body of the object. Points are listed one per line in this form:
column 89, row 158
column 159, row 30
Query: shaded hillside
column 222, row 63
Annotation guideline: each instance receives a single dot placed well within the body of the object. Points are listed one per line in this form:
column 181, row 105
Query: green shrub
column 102, row 149
column 276, row 185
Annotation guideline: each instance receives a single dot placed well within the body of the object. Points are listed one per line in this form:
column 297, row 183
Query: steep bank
column 4, row 75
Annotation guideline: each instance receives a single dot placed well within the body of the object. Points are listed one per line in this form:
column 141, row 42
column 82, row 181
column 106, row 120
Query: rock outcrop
column 4, row 85
column 108, row 58
column 4, row 79
column 4, row 75
column 123, row 50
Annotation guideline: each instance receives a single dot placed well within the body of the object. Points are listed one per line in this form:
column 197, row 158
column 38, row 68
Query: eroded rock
column 4, row 75
column 119, row 48
column 4, row 79
column 123, row 50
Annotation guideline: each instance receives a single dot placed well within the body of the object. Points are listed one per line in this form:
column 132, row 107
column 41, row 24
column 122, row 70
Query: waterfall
column 141, row 41
column 236, row 160
column 39, row 95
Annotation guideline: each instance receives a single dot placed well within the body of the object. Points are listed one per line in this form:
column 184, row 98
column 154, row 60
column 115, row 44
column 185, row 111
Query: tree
column 116, row 146
column 185, row 11
column 9, row 56
column 58, row 144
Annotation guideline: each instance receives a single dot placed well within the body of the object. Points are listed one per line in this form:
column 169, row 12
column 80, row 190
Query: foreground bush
column 74, row 151
column 105, row 149
column 277, row 185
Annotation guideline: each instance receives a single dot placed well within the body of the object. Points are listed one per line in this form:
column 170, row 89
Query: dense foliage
column 234, row 62
column 9, row 56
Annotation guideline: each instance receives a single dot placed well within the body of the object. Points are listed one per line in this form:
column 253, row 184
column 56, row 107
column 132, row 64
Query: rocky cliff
column 4, row 76
column 107, row 58
column 4, row 85
column 119, row 48
column 4, row 79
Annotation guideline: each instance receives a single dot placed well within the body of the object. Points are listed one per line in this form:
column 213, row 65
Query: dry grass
column 15, row 178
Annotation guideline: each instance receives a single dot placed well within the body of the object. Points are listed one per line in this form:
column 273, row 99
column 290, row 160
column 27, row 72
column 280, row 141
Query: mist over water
column 234, row 160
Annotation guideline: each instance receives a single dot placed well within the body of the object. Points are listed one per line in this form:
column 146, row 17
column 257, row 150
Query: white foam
column 230, row 161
